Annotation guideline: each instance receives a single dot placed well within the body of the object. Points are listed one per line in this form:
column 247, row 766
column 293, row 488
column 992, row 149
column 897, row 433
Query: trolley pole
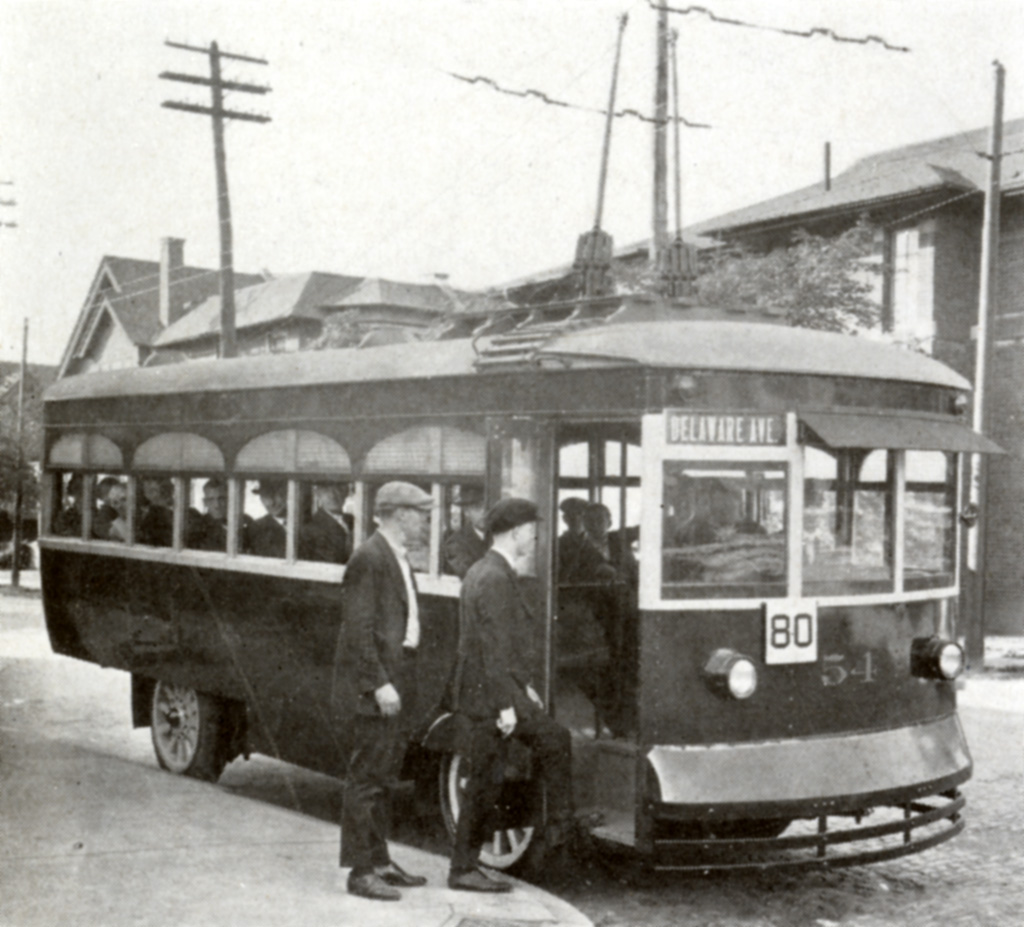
column 217, row 85
column 978, row 495
column 19, row 476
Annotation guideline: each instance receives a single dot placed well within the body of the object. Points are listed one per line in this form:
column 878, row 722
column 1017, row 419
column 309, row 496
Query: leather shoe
column 371, row 885
column 394, row 874
column 475, row 881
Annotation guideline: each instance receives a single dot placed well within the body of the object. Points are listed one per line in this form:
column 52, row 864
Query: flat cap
column 400, row 495
column 507, row 514
column 271, row 487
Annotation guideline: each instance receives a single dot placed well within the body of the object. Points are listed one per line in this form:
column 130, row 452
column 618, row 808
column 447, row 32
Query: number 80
column 797, row 630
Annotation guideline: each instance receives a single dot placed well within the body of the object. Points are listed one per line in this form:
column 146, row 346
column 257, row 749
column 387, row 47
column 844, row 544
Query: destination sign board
column 745, row 429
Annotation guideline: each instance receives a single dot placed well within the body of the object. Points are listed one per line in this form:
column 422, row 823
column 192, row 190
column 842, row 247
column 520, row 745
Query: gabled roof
column 309, row 295
column 956, row 162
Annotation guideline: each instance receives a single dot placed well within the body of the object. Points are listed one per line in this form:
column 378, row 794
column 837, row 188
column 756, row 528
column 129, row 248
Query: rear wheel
column 187, row 729
column 509, row 848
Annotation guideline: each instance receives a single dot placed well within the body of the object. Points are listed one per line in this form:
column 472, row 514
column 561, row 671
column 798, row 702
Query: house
column 147, row 312
column 37, row 378
column 926, row 201
column 130, row 302
column 289, row 313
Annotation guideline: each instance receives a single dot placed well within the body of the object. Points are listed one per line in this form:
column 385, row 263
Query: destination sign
column 735, row 428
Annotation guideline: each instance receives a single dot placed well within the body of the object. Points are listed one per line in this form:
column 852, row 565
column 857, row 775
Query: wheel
column 186, row 727
column 511, row 848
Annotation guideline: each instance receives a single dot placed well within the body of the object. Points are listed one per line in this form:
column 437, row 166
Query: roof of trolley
column 745, row 347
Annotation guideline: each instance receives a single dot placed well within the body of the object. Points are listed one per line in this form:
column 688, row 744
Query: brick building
column 926, row 201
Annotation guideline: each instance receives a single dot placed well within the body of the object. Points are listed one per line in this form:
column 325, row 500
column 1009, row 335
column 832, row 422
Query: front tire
column 187, row 729
column 511, row 848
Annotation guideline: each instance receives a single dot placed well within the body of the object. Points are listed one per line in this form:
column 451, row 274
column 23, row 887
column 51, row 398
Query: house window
column 911, row 290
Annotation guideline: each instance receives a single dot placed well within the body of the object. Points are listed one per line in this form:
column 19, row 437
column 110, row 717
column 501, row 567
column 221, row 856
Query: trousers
column 551, row 750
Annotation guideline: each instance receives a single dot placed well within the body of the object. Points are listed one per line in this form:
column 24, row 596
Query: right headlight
column 936, row 658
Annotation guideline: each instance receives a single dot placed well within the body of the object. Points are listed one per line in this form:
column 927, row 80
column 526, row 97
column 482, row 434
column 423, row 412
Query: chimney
column 172, row 300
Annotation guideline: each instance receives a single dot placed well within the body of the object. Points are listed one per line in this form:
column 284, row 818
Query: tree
column 816, row 282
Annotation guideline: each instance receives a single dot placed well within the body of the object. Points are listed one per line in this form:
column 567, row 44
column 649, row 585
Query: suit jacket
column 462, row 549
column 375, row 611
column 323, row 538
column 103, row 518
column 498, row 642
column 266, row 537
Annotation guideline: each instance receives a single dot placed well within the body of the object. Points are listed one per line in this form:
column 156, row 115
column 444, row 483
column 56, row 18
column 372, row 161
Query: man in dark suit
column 267, row 536
column 499, row 636
column 374, row 683
column 464, row 547
column 108, row 521
column 327, row 536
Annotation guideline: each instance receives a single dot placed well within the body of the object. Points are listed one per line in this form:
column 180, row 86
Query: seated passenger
column 462, row 548
column 327, row 536
column 109, row 523
column 156, row 521
column 211, row 530
column 68, row 522
column 268, row 536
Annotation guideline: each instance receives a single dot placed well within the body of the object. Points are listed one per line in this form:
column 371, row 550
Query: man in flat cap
column 496, row 689
column 374, row 683
column 267, row 536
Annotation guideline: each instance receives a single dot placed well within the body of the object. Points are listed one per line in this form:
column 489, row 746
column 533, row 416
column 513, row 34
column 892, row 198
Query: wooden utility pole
column 217, row 85
column 659, row 238
column 978, row 495
column 20, row 466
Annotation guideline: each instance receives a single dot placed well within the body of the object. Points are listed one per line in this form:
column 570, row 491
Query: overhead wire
column 811, row 33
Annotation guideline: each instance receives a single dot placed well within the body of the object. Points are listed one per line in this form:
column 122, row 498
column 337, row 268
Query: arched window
column 179, row 451
column 429, row 450
column 85, row 452
column 293, row 451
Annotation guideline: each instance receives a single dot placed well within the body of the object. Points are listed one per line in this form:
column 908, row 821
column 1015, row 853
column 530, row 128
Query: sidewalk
column 100, row 840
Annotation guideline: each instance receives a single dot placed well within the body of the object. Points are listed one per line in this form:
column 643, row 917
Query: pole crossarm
column 207, row 82
column 8, row 202
column 222, row 54
column 211, row 111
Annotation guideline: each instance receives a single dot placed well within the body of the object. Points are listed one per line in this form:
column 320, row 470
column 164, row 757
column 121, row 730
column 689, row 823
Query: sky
column 378, row 162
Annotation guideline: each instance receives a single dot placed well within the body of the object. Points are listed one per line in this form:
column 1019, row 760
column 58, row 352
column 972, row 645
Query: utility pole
column 659, row 238
column 976, row 542
column 18, row 477
column 217, row 85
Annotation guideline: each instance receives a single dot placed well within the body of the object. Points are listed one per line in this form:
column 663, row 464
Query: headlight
column 936, row 658
column 729, row 673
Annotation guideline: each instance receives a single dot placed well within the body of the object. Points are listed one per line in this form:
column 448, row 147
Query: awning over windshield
column 849, row 429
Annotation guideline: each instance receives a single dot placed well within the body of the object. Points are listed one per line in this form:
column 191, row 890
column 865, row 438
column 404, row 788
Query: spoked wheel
column 186, row 727
column 509, row 848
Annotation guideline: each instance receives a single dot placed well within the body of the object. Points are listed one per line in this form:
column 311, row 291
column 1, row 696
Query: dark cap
column 271, row 487
column 574, row 505
column 510, row 513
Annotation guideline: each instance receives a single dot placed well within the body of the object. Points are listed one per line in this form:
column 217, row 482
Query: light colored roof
column 710, row 345
column 288, row 296
column 956, row 162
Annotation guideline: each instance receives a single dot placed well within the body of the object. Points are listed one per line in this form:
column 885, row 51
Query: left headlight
column 730, row 673
column 936, row 658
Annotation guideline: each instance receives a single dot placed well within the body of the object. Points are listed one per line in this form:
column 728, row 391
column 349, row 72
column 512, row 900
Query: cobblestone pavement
column 974, row 880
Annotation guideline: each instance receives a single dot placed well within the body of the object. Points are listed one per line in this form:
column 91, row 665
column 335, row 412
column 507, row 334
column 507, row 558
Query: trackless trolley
column 744, row 586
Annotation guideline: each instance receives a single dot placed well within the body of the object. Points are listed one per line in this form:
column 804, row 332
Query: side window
column 930, row 545
column 206, row 519
column 848, row 521
column 67, row 504
column 463, row 536
column 326, row 521
column 110, row 507
column 154, row 511
column 264, row 527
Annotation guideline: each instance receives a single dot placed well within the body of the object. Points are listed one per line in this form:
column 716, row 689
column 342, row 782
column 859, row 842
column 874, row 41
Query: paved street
column 185, row 842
